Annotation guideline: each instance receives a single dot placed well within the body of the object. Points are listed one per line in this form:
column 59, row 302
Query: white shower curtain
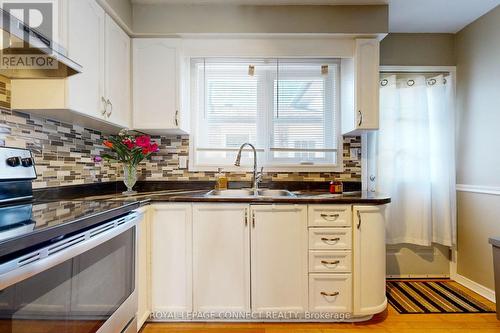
column 415, row 158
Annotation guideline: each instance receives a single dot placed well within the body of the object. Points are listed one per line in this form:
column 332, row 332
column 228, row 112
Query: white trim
column 492, row 190
column 269, row 166
column 474, row 286
column 418, row 276
column 416, row 69
column 466, row 282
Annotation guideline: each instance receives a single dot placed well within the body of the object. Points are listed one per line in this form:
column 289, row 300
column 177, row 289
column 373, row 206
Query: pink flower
column 97, row 159
column 129, row 143
column 143, row 141
column 154, row 148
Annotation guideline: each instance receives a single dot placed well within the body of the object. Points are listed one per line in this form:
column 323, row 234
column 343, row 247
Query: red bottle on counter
column 336, row 187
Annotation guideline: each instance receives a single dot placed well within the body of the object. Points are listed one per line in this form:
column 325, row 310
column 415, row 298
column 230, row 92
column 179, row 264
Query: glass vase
column 129, row 178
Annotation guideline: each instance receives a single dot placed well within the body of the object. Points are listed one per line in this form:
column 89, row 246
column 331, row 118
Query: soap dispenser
column 220, row 180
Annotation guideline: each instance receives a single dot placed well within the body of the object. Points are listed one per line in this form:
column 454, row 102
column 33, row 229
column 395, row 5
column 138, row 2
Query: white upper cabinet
column 221, row 258
column 369, row 260
column 86, row 21
column 279, row 258
column 100, row 96
column 360, row 88
column 117, row 70
column 157, row 103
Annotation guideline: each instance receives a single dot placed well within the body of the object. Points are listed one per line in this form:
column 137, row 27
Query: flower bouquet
column 130, row 151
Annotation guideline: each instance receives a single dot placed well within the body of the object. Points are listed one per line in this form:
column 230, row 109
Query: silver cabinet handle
column 324, row 239
column 105, row 103
column 108, row 102
column 335, row 262
column 360, row 114
column 329, row 294
column 330, row 216
column 359, row 219
column 176, row 118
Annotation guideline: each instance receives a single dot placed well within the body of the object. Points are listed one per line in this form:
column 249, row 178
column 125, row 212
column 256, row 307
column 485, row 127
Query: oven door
column 85, row 283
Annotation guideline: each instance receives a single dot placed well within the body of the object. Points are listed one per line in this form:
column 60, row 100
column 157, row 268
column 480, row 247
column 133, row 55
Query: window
column 287, row 108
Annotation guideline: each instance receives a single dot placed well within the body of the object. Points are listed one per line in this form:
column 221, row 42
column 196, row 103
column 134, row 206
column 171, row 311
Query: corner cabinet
column 157, row 89
column 360, row 88
column 369, row 260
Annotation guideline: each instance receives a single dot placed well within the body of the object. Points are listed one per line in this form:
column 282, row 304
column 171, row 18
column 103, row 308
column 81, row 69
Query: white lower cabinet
column 330, row 293
column 330, row 261
column 369, row 260
column 279, row 258
column 232, row 257
column 143, row 268
column 221, row 257
column 171, row 257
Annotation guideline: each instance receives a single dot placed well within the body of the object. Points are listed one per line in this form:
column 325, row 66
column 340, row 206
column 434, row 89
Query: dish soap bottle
column 220, row 180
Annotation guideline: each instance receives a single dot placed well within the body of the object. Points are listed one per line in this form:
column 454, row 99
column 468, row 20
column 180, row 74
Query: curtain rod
column 414, row 72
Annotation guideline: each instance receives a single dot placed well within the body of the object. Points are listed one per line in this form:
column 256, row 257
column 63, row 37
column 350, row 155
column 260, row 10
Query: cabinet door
column 156, row 83
column 117, row 78
column 143, row 268
column 279, row 258
column 86, row 46
column 221, row 257
column 367, row 83
column 171, row 255
column 369, row 259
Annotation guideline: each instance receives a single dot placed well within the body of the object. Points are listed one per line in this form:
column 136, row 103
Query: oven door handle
column 49, row 256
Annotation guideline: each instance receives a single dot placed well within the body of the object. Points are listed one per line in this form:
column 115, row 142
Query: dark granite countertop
column 301, row 197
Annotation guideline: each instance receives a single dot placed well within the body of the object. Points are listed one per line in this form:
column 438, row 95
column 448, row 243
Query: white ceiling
column 404, row 15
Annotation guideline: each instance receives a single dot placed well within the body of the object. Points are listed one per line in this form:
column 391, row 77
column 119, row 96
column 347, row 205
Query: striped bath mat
column 431, row 297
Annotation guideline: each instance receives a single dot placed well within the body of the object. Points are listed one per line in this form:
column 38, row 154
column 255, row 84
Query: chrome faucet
column 256, row 176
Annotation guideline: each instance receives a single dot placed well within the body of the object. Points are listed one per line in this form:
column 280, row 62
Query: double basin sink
column 249, row 193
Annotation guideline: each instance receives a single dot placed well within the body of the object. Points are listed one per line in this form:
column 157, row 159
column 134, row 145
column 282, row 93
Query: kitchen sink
column 233, row 193
column 249, row 193
column 274, row 193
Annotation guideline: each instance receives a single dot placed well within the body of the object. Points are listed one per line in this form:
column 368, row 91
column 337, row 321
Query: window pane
column 303, row 117
column 287, row 108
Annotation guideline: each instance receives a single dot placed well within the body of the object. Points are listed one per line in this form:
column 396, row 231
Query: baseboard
column 418, row 276
column 476, row 287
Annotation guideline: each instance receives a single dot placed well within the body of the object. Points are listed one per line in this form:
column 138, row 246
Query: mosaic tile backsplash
column 64, row 155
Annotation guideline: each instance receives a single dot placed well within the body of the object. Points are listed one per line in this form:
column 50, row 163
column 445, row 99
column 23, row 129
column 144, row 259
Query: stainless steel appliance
column 36, row 43
column 65, row 266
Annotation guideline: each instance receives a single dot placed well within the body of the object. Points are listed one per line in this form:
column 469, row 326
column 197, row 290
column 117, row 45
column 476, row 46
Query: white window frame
column 194, row 166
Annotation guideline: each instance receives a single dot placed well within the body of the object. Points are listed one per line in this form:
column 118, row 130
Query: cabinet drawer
column 330, row 261
column 330, row 238
column 330, row 293
column 329, row 216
